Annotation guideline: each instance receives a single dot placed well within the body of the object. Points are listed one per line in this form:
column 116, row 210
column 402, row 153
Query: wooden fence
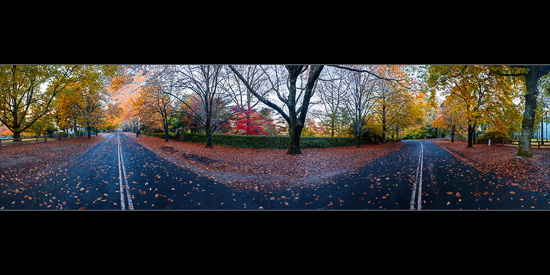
column 11, row 141
column 498, row 142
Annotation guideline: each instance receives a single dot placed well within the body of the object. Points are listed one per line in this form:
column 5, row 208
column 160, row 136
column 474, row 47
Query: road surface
column 120, row 174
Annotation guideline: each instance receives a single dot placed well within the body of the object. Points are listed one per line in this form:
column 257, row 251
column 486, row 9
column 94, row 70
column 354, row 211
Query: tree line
column 39, row 97
column 506, row 98
column 247, row 99
column 357, row 98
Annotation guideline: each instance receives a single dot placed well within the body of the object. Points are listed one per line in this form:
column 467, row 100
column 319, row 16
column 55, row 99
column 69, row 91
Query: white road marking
column 418, row 180
column 122, row 203
column 121, row 175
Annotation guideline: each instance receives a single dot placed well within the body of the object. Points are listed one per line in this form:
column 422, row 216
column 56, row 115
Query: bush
column 159, row 135
column 269, row 142
column 494, row 135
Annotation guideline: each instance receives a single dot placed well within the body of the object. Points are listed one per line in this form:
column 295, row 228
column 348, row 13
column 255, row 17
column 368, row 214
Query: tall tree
column 331, row 90
column 360, row 98
column 206, row 82
column 298, row 86
column 156, row 96
column 473, row 88
column 22, row 102
column 530, row 74
column 393, row 98
column 241, row 96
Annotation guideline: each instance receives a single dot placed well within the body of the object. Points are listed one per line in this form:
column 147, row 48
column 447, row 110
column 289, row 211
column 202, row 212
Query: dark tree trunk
column 532, row 77
column 453, row 131
column 528, row 121
column 166, row 133
column 358, row 141
column 208, row 135
column 332, row 122
column 384, row 132
column 471, row 129
column 16, row 136
column 294, row 145
column 209, row 141
column 89, row 132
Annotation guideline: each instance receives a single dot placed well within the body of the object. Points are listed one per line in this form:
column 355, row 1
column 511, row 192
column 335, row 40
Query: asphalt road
column 120, row 174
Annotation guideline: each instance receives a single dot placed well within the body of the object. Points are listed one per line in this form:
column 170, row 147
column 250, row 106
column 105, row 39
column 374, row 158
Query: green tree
column 22, row 101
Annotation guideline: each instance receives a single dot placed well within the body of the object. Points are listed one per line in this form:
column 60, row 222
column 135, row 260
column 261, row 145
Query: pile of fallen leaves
column 23, row 164
column 529, row 173
column 265, row 168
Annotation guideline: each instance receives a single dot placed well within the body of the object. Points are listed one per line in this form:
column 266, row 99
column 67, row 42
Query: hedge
column 269, row 142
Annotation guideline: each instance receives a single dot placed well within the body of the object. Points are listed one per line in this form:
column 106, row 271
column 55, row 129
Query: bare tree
column 239, row 94
column 331, row 91
column 207, row 84
column 298, row 86
column 360, row 98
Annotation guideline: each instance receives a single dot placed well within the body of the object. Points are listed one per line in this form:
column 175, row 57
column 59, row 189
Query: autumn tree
column 92, row 93
column 449, row 117
column 68, row 108
column 244, row 103
column 294, row 86
column 395, row 101
column 22, row 102
column 475, row 89
column 530, row 76
column 156, row 97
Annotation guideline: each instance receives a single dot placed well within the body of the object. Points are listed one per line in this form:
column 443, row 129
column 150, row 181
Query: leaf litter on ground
column 265, row 169
column 532, row 174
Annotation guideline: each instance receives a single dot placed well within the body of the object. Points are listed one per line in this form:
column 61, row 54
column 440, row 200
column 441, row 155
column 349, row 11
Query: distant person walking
column 138, row 133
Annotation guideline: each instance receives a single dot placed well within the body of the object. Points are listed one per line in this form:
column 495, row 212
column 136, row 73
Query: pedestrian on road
column 138, row 133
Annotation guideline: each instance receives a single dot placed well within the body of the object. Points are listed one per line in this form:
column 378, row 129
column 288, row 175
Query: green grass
column 24, row 140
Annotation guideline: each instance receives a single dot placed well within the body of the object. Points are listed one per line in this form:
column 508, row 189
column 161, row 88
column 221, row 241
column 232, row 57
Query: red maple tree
column 248, row 121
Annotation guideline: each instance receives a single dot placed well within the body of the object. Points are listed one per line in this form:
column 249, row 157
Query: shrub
column 268, row 142
column 494, row 135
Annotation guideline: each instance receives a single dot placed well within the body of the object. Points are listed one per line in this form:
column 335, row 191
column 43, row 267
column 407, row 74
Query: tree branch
column 261, row 98
column 369, row 72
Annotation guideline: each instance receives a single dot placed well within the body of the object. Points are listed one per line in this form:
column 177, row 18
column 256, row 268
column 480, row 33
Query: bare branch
column 369, row 72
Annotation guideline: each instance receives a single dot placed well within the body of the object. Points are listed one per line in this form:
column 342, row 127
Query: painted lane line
column 129, row 197
column 418, row 180
column 122, row 203
column 121, row 176
column 419, row 205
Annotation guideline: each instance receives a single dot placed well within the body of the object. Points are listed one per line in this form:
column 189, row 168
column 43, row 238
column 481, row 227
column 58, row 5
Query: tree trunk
column 470, row 135
column 358, row 141
column 384, row 132
column 89, row 132
column 332, row 126
column 542, row 130
column 166, row 133
column 16, row 136
column 208, row 135
column 294, row 146
column 453, row 131
column 528, row 121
